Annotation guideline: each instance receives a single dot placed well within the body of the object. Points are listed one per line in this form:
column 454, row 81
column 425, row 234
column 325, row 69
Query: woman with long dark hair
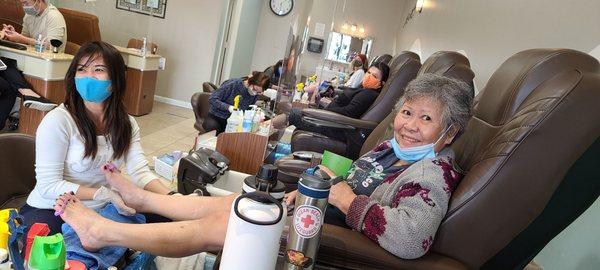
column 89, row 129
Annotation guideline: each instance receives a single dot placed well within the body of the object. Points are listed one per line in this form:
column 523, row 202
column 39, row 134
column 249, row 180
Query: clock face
column 281, row 7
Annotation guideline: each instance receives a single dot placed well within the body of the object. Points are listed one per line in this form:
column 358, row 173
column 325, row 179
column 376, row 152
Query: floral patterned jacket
column 404, row 212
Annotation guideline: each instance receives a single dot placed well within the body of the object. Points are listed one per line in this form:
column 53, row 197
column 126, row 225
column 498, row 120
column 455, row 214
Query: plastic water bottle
column 39, row 44
column 144, row 48
column 247, row 125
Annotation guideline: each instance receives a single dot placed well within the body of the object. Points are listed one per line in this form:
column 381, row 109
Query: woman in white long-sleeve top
column 81, row 135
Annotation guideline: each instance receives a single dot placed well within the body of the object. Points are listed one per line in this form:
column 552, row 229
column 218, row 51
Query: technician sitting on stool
column 221, row 100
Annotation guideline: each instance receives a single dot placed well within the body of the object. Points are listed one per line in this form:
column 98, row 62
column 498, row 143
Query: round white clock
column 281, row 7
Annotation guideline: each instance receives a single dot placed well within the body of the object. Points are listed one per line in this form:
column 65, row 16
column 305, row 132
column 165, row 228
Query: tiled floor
column 167, row 128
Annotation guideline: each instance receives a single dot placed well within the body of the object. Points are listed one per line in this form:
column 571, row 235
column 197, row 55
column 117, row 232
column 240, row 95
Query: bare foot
column 132, row 195
column 88, row 224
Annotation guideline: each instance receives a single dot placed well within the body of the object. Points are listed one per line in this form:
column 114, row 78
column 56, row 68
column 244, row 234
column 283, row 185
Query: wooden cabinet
column 139, row 93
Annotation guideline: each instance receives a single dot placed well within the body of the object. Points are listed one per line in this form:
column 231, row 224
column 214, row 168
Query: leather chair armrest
column 329, row 119
column 348, row 249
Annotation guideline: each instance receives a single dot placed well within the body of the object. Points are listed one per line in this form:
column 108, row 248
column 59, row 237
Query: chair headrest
column 407, row 66
column 520, row 75
column 449, row 64
column 515, row 150
column 402, row 58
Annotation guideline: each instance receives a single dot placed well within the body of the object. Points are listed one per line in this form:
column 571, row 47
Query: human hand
column 341, row 196
column 13, row 35
column 8, row 27
column 107, row 195
column 290, row 198
column 327, row 171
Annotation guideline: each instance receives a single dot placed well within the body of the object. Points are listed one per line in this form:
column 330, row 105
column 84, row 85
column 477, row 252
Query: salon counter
column 45, row 71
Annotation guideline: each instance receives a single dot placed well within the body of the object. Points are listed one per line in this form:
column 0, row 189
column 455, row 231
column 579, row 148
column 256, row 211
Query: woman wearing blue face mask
column 398, row 193
column 76, row 139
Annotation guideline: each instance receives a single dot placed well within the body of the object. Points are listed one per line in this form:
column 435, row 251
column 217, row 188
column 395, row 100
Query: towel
column 106, row 256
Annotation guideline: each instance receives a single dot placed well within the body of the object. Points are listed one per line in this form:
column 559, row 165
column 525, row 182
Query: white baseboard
column 173, row 102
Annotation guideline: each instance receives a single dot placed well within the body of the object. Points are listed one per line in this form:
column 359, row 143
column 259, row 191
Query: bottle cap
column 267, row 172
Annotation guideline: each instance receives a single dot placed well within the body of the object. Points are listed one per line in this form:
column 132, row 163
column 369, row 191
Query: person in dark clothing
column 352, row 103
column 221, row 100
column 11, row 80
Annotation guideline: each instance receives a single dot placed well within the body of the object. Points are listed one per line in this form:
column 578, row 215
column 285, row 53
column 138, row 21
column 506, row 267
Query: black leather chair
column 530, row 155
column 209, row 87
column 17, row 170
column 200, row 107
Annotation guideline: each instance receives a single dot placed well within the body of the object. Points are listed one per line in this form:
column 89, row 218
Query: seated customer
column 398, row 193
column 402, row 212
column 358, row 67
column 352, row 103
column 221, row 100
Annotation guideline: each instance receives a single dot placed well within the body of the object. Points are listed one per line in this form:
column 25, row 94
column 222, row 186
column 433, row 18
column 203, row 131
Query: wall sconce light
column 345, row 26
column 361, row 29
column 353, row 27
column 419, row 6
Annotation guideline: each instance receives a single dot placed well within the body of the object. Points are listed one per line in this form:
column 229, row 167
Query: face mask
column 30, row 10
column 250, row 91
column 280, row 70
column 92, row 89
column 414, row 154
column 369, row 81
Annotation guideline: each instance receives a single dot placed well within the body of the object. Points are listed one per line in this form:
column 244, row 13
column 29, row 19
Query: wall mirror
column 343, row 47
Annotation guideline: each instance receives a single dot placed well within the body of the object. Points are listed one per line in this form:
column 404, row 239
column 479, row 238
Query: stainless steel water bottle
column 305, row 229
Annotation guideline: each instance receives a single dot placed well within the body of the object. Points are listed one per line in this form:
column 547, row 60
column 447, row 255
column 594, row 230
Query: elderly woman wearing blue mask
column 398, row 193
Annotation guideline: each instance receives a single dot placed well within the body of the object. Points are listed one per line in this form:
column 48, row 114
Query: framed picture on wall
column 155, row 8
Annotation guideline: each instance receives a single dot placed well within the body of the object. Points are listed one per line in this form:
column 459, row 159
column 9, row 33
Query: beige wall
column 271, row 37
column 186, row 37
column 491, row 31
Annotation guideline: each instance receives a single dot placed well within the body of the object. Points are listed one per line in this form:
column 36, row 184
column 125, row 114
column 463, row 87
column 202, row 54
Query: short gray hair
column 454, row 95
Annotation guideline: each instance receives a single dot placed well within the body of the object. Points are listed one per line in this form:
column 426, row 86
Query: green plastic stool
column 48, row 253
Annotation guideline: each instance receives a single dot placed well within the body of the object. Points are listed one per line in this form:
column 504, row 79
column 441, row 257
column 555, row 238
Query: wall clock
column 281, row 7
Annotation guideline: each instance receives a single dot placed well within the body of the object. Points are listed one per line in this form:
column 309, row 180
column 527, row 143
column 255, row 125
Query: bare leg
column 173, row 207
column 173, row 239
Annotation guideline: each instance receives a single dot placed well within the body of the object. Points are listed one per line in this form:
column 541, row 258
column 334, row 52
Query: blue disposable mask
column 92, row 89
column 414, row 154
column 30, row 10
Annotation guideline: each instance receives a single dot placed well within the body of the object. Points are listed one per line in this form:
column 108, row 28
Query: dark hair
column 116, row 121
column 276, row 67
column 259, row 79
column 385, row 71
